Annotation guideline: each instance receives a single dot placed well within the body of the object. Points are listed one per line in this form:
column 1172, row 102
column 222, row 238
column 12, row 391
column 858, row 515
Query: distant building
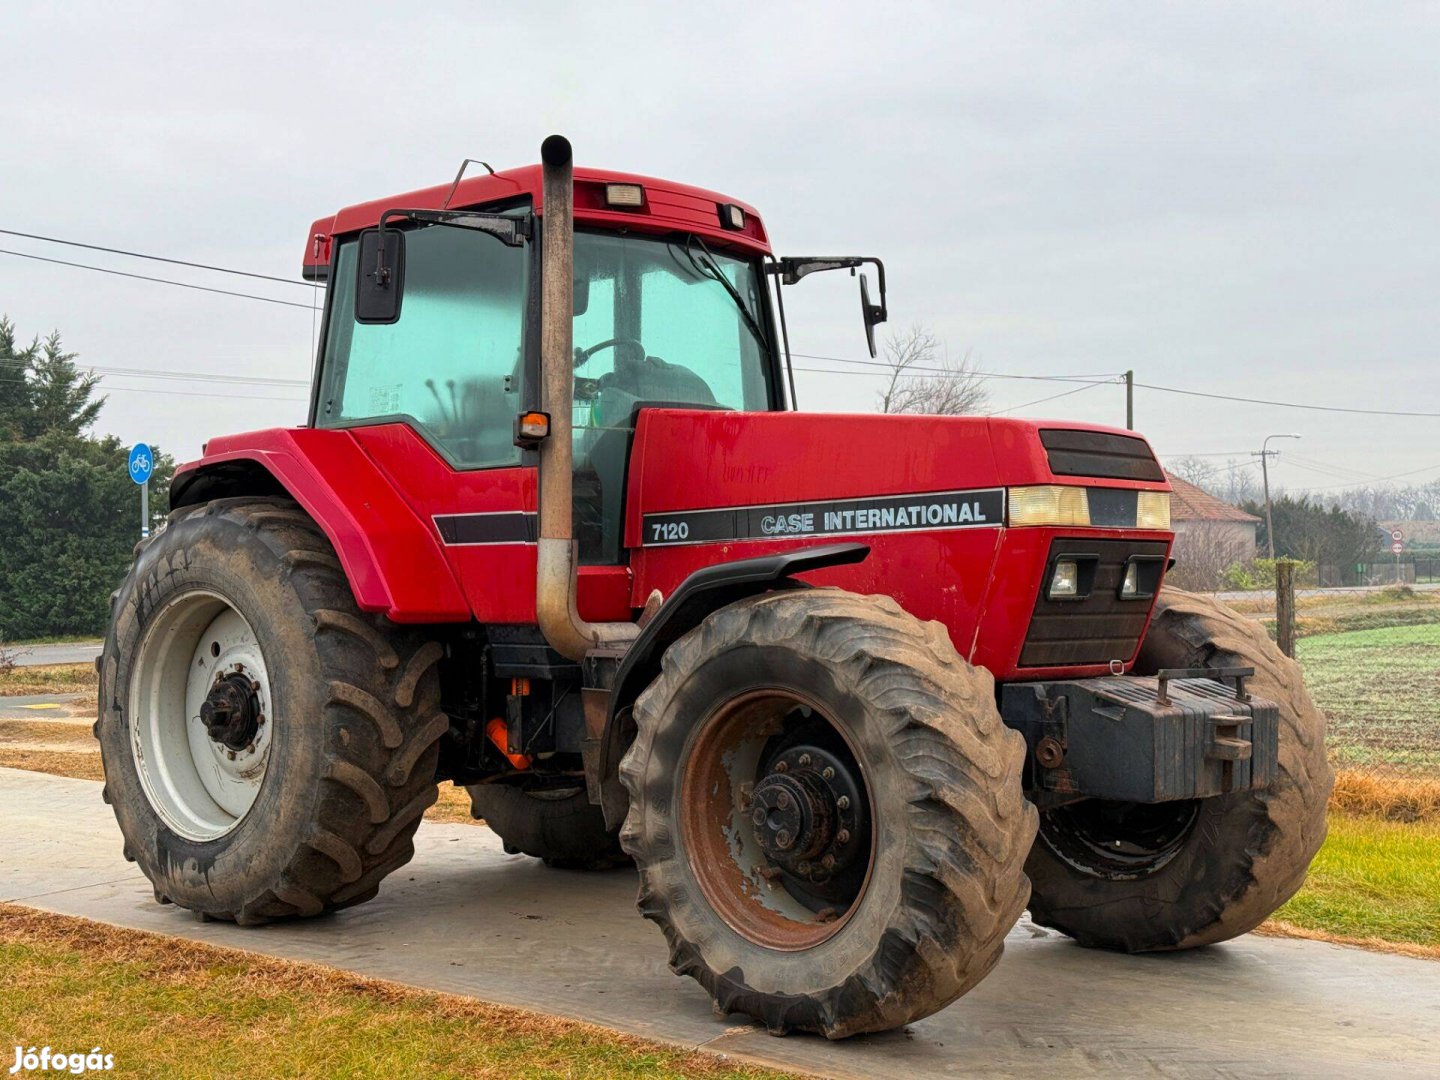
column 1205, row 524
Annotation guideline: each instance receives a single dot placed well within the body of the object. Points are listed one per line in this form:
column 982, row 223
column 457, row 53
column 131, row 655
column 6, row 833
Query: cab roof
column 667, row 207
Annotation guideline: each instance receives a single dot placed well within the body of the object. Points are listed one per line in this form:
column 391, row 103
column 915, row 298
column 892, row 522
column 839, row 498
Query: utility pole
column 1264, row 454
column 1130, row 400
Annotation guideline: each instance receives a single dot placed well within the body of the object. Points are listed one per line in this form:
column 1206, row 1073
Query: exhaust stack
column 556, row 610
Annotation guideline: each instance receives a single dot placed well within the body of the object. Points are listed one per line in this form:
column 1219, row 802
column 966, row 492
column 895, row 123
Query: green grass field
column 1373, row 880
column 1381, row 691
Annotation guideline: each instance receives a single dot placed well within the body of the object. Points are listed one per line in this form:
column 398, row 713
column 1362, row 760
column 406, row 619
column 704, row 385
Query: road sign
column 1396, row 535
column 142, row 463
column 1397, row 547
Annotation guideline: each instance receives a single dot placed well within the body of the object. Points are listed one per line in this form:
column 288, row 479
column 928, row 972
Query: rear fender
column 392, row 559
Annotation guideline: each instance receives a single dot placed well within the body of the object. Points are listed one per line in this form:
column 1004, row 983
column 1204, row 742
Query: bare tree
column 923, row 378
column 1203, row 553
column 1196, row 470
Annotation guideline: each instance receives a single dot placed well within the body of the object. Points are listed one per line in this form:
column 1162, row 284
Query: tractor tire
column 1236, row 859
column 846, row 719
column 558, row 826
column 298, row 781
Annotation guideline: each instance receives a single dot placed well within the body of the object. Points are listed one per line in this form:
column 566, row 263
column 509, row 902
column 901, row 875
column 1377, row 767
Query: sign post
column 1397, row 546
column 142, row 464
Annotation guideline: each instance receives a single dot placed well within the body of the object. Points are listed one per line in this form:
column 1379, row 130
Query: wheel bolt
column 842, row 837
column 803, row 868
column 828, row 862
column 804, row 759
column 782, row 801
column 843, row 802
column 828, row 773
column 781, row 766
column 783, row 839
column 758, row 817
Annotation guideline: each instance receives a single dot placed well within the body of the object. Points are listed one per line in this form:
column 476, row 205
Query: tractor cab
column 433, row 321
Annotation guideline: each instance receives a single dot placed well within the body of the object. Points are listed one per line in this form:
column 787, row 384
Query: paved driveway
column 82, row 652
column 467, row 919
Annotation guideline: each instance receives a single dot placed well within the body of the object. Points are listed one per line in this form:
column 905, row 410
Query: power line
column 1103, row 377
column 154, row 258
column 105, row 389
column 161, row 281
column 1052, row 397
column 1283, row 404
column 184, row 376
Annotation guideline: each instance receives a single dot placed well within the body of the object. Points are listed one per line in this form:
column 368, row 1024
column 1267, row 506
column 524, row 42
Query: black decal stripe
column 928, row 511
column 499, row 528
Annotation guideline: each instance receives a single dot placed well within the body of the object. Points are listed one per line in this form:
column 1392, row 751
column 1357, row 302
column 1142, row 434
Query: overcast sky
column 1240, row 199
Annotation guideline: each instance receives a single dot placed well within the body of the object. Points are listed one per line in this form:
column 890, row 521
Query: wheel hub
column 808, row 814
column 231, row 711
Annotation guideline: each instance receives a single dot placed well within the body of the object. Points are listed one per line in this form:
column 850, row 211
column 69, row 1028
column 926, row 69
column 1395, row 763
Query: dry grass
column 28, row 732
column 169, row 1008
column 1281, row 928
column 81, row 764
column 1393, row 797
column 453, row 806
column 51, row 679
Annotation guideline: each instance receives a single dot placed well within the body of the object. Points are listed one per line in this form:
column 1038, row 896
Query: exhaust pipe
column 555, row 607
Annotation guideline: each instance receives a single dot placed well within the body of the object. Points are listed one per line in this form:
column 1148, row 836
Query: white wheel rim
column 200, row 787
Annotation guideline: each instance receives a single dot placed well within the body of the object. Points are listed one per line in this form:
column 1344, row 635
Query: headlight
column 1049, row 504
column 1130, row 587
column 1152, row 510
column 1066, row 579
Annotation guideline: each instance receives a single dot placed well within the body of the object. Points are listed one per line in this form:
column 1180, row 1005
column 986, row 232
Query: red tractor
column 850, row 690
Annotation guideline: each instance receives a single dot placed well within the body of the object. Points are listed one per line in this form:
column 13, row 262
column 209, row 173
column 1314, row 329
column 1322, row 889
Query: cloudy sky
column 1226, row 198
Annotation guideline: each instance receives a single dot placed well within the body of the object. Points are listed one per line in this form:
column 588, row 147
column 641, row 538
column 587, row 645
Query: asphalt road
column 83, row 652
column 468, row 919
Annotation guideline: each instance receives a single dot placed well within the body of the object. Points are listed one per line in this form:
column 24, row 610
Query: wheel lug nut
column 782, row 766
column 758, row 817
column 828, row 773
column 804, row 759
column 783, row 838
column 843, row 802
column 842, row 837
column 782, row 801
column 828, row 862
column 804, row 868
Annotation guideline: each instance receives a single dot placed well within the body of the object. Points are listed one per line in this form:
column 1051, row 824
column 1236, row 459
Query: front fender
column 391, row 557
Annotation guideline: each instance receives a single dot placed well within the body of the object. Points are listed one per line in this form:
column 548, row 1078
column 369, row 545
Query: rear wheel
column 558, row 825
column 268, row 748
column 1177, row 875
column 826, row 811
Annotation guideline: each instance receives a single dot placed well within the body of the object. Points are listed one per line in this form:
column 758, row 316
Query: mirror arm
column 512, row 232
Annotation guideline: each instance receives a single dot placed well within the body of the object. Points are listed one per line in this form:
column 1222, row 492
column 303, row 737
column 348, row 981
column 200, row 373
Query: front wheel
column 269, row 749
column 1175, row 875
column 826, row 812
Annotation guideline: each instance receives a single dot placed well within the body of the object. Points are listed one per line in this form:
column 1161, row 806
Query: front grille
column 1094, row 629
column 1099, row 454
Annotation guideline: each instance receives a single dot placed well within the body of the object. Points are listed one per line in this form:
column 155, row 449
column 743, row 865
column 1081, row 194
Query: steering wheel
column 617, row 343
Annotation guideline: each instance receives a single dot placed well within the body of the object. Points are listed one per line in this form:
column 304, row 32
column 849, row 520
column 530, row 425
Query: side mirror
column 873, row 314
column 380, row 276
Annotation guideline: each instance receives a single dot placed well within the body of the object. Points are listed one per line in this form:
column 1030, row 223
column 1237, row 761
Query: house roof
column 1190, row 503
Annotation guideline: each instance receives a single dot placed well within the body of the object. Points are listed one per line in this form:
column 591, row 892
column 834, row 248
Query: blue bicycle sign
column 142, row 463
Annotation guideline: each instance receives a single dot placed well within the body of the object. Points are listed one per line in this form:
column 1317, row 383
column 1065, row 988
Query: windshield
column 653, row 323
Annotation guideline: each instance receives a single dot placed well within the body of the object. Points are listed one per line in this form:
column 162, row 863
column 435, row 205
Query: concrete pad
column 468, row 919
